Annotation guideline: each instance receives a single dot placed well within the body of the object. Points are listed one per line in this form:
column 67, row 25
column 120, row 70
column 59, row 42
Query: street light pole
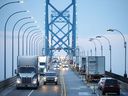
column 31, row 39
column 19, row 32
column 36, row 45
column 34, row 30
column 100, row 45
column 10, row 3
column 109, row 50
column 13, row 41
column 91, row 40
column 40, row 49
column 125, row 49
column 23, row 38
column 5, row 31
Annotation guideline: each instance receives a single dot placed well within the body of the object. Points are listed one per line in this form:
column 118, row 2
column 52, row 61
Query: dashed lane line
column 30, row 93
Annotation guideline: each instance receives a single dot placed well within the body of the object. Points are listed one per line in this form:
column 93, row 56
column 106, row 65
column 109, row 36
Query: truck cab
column 27, row 72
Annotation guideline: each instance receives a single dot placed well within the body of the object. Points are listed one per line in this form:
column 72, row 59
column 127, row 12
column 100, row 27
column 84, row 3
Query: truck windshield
column 42, row 63
column 27, row 70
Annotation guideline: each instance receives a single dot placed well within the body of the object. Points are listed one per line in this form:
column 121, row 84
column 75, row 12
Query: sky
column 94, row 17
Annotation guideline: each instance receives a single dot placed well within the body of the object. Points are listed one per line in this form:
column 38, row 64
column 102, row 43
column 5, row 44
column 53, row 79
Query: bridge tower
column 60, row 28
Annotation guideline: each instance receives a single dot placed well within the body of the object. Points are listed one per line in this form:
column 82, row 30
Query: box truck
column 27, row 72
column 82, row 65
column 95, row 67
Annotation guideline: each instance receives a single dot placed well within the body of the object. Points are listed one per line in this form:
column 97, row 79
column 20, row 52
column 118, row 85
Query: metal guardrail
column 7, row 82
column 116, row 76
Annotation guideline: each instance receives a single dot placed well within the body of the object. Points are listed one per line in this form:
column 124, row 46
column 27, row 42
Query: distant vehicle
column 110, row 86
column 65, row 67
column 82, row 65
column 56, row 67
column 27, row 72
column 95, row 67
column 50, row 77
column 100, row 83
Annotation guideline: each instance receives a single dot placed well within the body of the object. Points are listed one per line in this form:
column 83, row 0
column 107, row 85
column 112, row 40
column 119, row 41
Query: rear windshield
column 50, row 74
column 111, row 82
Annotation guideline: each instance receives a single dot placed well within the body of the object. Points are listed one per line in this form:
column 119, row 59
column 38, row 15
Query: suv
column 110, row 85
column 50, row 77
column 100, row 83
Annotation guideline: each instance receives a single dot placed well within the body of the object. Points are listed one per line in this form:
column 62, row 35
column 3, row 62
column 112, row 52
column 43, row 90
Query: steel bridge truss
column 60, row 29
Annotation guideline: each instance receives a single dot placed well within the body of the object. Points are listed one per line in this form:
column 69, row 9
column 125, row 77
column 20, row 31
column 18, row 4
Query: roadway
column 72, row 83
column 76, row 85
column 43, row 90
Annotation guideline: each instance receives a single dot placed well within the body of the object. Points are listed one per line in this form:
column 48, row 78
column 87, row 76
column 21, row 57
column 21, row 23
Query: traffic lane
column 94, row 87
column 43, row 90
column 47, row 90
column 12, row 91
column 95, row 90
column 74, row 85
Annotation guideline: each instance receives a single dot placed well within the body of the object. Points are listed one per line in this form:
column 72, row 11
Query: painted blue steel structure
column 60, row 28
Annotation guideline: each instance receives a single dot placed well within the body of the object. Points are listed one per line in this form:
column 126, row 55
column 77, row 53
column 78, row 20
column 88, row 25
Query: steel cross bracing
column 60, row 30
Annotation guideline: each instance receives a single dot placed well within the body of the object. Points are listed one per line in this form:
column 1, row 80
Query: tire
column 56, row 83
column 118, row 93
column 38, row 84
column 17, row 87
column 103, row 93
column 44, row 83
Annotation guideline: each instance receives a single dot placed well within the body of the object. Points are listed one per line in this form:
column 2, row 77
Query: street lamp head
column 35, row 21
column 27, row 11
column 21, row 1
column 32, row 17
column 110, row 30
column 98, row 36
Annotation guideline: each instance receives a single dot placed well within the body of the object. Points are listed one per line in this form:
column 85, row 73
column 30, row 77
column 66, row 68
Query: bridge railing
column 7, row 82
column 116, row 76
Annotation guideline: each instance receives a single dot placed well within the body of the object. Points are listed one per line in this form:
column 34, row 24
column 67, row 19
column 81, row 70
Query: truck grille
column 26, row 80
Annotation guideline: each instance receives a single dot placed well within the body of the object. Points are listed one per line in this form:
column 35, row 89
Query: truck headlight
column 18, row 80
column 44, row 78
column 56, row 78
column 34, row 81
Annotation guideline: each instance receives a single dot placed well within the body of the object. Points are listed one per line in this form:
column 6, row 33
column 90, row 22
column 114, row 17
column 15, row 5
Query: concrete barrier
column 116, row 76
column 7, row 82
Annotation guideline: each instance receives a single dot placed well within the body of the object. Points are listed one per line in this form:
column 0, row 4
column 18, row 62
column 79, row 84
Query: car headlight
column 34, row 81
column 44, row 78
column 18, row 80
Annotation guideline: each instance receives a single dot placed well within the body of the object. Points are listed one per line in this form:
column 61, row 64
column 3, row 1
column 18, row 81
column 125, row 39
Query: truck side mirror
column 15, row 71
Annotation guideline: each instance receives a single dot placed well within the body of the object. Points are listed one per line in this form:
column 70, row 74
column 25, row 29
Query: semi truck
column 42, row 64
column 95, row 67
column 82, row 65
column 27, row 72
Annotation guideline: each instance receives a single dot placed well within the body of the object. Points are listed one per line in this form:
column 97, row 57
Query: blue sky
column 94, row 17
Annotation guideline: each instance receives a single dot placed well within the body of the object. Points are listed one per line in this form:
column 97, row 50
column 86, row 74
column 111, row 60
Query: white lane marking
column 30, row 93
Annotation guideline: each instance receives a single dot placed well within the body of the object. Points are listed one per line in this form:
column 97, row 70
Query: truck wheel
column 103, row 93
column 118, row 93
column 17, row 87
column 37, row 83
column 56, row 83
column 36, row 87
column 44, row 83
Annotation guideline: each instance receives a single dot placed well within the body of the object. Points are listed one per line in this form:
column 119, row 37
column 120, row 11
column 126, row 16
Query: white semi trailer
column 27, row 72
column 95, row 67
column 42, row 64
